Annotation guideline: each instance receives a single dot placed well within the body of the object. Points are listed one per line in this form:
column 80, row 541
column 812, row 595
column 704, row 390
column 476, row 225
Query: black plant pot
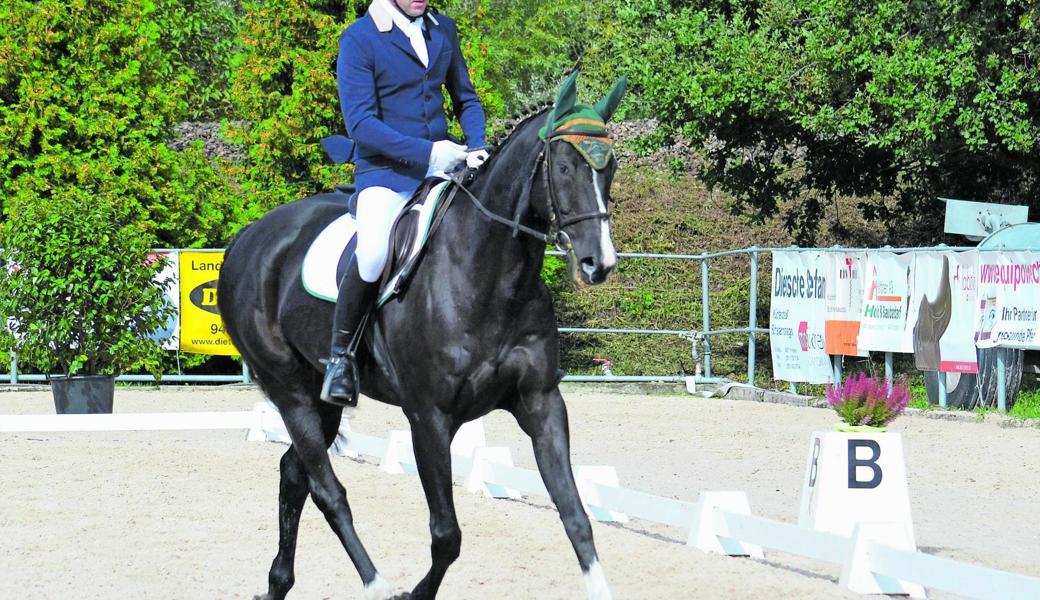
column 83, row 394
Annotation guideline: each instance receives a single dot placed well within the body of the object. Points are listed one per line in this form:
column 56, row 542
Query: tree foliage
column 89, row 93
column 800, row 101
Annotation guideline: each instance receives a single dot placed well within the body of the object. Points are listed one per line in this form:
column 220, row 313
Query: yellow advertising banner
column 202, row 329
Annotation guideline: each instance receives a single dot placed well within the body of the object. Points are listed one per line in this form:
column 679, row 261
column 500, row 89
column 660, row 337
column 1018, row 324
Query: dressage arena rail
column 719, row 522
column 702, row 358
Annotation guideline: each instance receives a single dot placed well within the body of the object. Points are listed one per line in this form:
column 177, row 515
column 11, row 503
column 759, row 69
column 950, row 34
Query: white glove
column 446, row 156
column 476, row 158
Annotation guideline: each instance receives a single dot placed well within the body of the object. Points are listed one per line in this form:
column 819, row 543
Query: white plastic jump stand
column 852, row 478
column 856, row 574
column 588, row 479
column 399, row 457
column 704, row 533
column 468, row 438
column 342, row 441
column 482, row 481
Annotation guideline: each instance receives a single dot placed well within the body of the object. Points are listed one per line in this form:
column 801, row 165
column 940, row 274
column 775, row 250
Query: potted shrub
column 867, row 404
column 79, row 295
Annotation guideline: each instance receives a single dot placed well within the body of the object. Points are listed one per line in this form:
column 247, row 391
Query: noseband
column 555, row 235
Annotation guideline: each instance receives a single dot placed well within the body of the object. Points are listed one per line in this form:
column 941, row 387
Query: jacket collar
column 381, row 14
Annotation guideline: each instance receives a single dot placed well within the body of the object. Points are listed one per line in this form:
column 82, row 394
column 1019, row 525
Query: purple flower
column 865, row 400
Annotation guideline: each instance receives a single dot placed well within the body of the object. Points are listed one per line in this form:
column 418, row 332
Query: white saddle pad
column 322, row 259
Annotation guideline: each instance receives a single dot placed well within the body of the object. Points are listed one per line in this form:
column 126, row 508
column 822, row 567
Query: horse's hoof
column 402, row 596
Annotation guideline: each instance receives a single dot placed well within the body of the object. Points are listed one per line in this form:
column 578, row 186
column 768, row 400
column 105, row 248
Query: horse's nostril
column 588, row 265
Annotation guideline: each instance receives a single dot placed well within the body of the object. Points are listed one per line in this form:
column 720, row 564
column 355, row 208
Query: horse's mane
column 513, row 126
column 518, row 119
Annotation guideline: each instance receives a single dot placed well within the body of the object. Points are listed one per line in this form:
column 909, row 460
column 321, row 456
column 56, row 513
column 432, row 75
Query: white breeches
column 377, row 207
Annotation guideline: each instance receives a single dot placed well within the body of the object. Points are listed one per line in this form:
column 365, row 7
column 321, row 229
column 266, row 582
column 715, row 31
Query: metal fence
column 700, row 339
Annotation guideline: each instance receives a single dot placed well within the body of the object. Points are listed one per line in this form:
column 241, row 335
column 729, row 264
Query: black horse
column 475, row 331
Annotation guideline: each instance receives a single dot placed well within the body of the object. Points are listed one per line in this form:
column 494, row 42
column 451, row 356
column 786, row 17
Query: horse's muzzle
column 594, row 272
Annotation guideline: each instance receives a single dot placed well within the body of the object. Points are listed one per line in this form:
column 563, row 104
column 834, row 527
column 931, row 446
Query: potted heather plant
column 867, row 404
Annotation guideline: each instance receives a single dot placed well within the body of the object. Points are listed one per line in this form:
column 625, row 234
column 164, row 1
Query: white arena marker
column 176, row 421
column 856, row 574
column 399, row 457
column 703, row 533
column 469, row 437
column 340, row 446
column 588, row 480
column 258, row 432
column 481, row 479
column 854, row 477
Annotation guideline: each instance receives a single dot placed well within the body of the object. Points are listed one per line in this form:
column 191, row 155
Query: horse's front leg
column 543, row 416
column 431, row 439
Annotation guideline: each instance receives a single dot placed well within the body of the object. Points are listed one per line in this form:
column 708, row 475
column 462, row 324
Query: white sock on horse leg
column 379, row 589
column 596, row 583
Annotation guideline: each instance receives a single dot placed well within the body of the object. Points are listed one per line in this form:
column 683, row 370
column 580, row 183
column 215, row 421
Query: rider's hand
column 446, row 156
column 476, row 158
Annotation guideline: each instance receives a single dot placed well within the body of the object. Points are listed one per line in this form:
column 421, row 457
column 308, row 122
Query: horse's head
column 577, row 169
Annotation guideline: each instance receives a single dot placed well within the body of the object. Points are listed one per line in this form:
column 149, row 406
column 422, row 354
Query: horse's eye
column 564, row 169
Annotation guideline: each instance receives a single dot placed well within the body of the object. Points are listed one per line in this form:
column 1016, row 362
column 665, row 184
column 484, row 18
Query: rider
column 392, row 64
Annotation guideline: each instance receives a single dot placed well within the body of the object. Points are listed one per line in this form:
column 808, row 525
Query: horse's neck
column 485, row 253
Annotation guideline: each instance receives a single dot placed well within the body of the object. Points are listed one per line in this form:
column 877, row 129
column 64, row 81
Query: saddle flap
column 330, row 252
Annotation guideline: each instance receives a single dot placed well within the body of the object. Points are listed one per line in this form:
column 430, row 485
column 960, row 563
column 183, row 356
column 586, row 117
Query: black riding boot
column 355, row 297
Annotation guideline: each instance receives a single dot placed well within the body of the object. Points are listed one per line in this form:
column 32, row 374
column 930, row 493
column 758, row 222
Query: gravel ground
column 193, row 514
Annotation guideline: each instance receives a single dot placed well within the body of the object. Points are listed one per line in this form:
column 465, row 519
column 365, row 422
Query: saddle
column 329, row 254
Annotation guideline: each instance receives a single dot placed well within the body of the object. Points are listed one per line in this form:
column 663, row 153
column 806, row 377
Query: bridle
column 557, row 221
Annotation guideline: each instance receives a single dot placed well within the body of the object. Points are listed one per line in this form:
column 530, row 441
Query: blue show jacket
column 393, row 106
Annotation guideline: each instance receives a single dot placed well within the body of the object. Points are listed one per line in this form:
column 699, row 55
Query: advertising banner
column 168, row 336
column 797, row 316
column 945, row 296
column 844, row 300
column 1009, row 300
column 202, row 329
column 886, row 303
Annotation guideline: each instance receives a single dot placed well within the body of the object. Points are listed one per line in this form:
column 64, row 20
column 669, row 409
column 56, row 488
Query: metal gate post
column 752, row 317
column 888, row 369
column 246, row 378
column 1001, row 380
column 941, row 377
column 14, row 367
column 706, row 312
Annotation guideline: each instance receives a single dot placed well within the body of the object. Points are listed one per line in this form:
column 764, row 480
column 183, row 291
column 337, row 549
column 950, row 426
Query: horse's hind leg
column 543, row 416
column 307, row 422
column 292, row 494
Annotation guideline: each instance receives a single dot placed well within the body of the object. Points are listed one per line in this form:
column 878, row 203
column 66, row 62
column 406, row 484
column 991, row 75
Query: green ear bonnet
column 575, row 119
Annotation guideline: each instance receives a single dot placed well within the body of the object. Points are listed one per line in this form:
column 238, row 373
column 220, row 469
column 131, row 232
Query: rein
column 557, row 222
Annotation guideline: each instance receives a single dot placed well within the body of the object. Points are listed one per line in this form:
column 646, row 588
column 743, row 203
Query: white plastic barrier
column 130, row 422
column 719, row 522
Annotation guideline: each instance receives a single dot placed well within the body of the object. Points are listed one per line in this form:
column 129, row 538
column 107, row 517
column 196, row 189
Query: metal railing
column 702, row 357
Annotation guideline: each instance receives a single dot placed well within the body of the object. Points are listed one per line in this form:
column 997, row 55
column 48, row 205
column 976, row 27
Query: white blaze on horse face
column 596, row 583
column 606, row 245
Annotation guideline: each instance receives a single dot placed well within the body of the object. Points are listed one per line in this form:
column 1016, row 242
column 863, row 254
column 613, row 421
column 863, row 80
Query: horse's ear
column 567, row 97
column 610, row 102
